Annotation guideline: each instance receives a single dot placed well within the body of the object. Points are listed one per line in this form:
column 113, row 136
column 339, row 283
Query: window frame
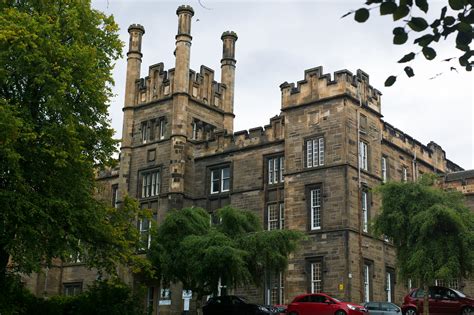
column 72, row 285
column 275, row 166
column 311, row 207
column 311, row 264
column 365, row 216
column 279, row 219
column 384, row 167
column 115, row 196
column 319, row 154
column 390, row 282
column 363, row 155
column 367, row 275
column 220, row 180
column 154, row 186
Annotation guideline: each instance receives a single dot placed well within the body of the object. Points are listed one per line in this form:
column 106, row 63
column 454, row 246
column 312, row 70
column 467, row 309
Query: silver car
column 382, row 308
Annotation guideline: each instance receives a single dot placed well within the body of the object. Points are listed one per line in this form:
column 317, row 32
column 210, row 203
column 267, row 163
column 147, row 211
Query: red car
column 322, row 304
column 442, row 301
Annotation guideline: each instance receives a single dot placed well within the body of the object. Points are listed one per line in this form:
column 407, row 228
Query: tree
column 187, row 248
column 56, row 59
column 432, row 229
column 458, row 20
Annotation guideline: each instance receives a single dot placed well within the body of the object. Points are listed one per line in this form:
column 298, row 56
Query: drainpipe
column 359, row 205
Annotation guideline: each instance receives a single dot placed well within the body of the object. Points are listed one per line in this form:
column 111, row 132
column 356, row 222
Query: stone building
column 311, row 168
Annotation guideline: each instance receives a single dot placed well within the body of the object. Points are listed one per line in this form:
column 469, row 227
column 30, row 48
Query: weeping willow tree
column 187, row 248
column 432, row 229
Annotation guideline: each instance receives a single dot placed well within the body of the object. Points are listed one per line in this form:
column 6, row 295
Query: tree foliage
column 456, row 18
column 56, row 59
column 432, row 229
column 187, row 248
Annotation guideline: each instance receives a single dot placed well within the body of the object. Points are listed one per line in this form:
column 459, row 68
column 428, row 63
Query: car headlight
column 264, row 309
column 352, row 307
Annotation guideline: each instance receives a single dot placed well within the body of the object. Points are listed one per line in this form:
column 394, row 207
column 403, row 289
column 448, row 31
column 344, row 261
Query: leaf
column 422, row 4
column 407, row 58
column 401, row 12
column 449, row 20
column 409, row 71
column 369, row 2
column 348, row 13
column 388, row 8
column 464, row 27
column 463, row 47
column 456, row 4
column 463, row 39
column 361, row 15
column 424, row 40
column 390, row 80
column 400, row 39
column 429, row 53
column 418, row 24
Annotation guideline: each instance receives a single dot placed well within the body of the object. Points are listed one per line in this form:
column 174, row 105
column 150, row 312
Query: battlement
column 222, row 142
column 431, row 153
column 318, row 85
column 158, row 84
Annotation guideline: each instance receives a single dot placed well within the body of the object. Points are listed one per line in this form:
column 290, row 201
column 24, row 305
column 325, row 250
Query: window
column 365, row 210
column 363, row 164
column 275, row 216
column 153, row 129
column 150, row 183
column 315, row 152
column 220, row 180
column 404, row 174
column 274, row 293
column 316, row 276
column 150, row 300
column 115, row 196
column 194, row 135
column 315, row 208
column 367, row 276
column 453, row 284
column 276, row 169
column 384, row 169
column 390, row 284
column 72, row 288
column 144, row 227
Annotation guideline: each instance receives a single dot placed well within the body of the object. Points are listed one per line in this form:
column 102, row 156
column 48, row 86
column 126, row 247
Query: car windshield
column 336, row 300
column 459, row 293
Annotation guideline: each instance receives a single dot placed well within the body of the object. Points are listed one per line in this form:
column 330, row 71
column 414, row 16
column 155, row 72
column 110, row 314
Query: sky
column 278, row 40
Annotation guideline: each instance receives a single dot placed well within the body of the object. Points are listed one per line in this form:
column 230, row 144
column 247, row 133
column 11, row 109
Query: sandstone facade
column 311, row 168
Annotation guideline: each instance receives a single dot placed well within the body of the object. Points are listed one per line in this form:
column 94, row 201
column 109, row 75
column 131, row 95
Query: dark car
column 442, row 301
column 382, row 308
column 277, row 309
column 232, row 305
column 322, row 304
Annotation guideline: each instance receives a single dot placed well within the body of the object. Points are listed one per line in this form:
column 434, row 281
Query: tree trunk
column 426, row 300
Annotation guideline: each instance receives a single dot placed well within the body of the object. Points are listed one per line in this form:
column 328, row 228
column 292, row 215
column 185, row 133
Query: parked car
column 442, row 301
column 322, row 304
column 382, row 308
column 276, row 309
column 232, row 305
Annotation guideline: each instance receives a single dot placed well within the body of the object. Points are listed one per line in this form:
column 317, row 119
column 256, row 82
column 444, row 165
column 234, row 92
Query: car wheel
column 410, row 311
column 340, row 313
column 467, row 311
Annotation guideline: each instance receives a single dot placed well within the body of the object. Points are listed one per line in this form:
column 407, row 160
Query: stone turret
column 134, row 61
column 183, row 48
column 228, row 77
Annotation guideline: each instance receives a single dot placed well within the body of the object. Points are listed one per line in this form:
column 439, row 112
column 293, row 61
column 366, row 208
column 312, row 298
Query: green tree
column 432, row 229
column 456, row 18
column 56, row 59
column 187, row 248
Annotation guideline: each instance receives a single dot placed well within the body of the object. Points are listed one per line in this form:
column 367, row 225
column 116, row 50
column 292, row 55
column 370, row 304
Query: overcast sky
column 278, row 40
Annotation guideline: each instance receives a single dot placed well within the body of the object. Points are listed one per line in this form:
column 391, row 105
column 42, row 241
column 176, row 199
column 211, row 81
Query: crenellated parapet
column 222, row 142
column 318, row 85
column 432, row 153
column 158, row 84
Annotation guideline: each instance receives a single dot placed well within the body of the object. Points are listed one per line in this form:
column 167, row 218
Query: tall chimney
column 228, row 77
column 183, row 48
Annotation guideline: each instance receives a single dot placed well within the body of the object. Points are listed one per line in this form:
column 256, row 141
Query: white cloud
column 278, row 40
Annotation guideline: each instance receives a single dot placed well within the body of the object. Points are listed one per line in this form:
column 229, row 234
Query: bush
column 102, row 298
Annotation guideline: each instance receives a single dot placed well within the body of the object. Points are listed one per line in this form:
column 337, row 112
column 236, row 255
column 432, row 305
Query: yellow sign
column 341, row 287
